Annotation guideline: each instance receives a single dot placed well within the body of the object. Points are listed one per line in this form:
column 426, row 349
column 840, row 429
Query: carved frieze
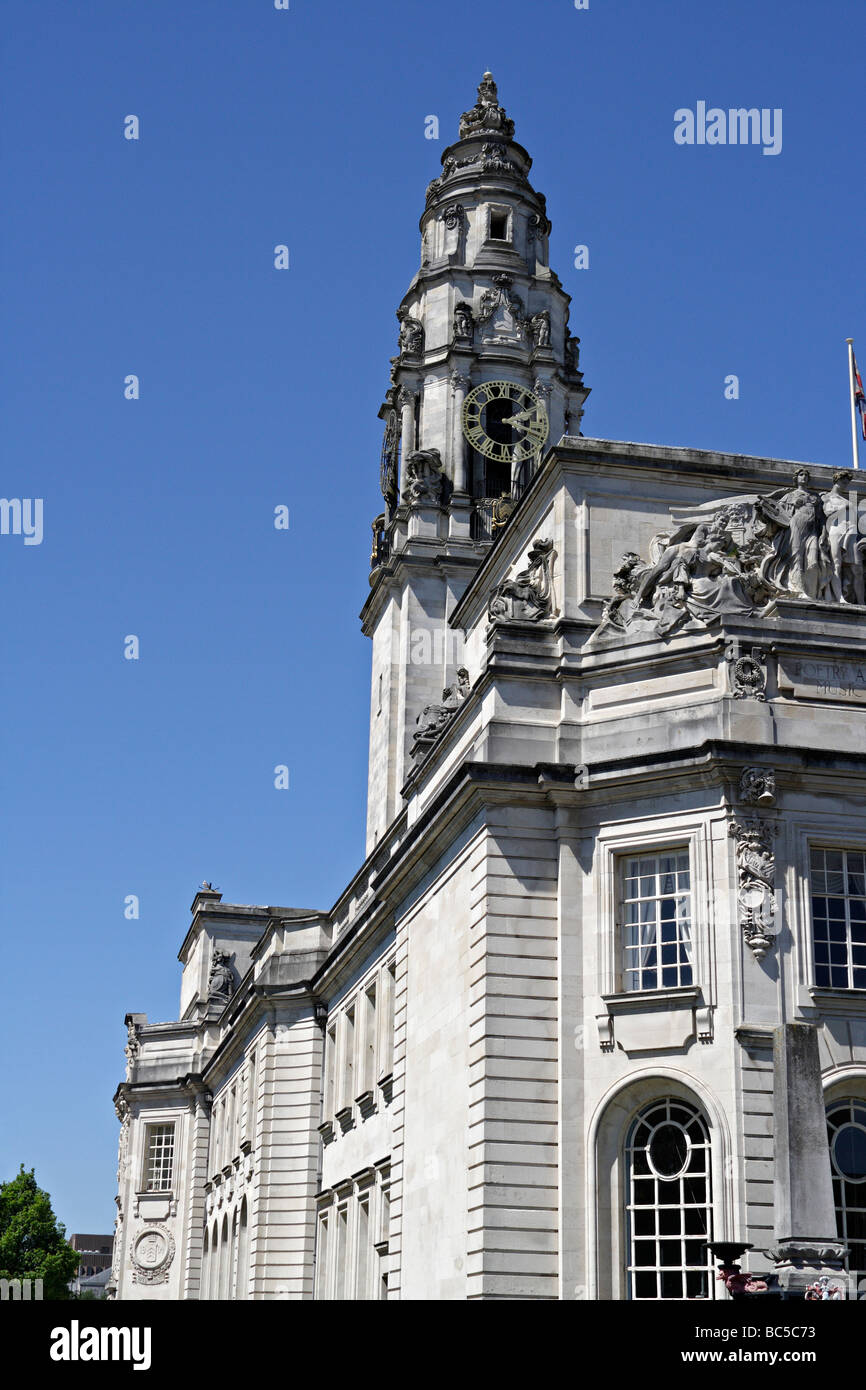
column 737, row 558
column 528, row 598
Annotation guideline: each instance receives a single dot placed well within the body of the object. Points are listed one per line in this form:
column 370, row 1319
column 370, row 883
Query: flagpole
column 854, row 449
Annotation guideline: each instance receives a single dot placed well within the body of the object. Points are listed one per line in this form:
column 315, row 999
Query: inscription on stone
column 824, row 680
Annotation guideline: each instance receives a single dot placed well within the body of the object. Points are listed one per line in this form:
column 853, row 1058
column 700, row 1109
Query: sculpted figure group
column 740, row 557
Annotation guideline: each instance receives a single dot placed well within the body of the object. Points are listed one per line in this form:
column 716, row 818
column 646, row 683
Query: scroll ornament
column 756, row 870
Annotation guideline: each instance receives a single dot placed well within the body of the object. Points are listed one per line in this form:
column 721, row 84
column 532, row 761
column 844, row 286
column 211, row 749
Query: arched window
column 846, row 1132
column 669, row 1204
column 243, row 1253
column 205, row 1264
column 224, row 1260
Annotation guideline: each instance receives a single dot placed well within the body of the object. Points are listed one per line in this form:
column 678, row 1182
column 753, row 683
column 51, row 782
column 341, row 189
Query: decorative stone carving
column 542, row 389
column 433, row 718
column 495, row 161
column 539, row 227
column 411, row 339
column 502, row 508
column 121, row 1109
column 738, row 558
column 756, row 869
column 571, row 354
column 132, row 1049
column 464, row 322
column 459, row 381
column 381, row 547
column 748, row 674
column 501, row 312
column 846, row 548
column 486, row 114
column 454, row 216
column 758, row 786
column 405, row 397
column 388, row 460
column 529, row 597
column 152, row 1254
column 424, row 478
column 539, row 326
column 221, row 982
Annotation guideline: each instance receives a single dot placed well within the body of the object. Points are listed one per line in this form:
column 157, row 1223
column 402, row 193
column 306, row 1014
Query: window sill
column 850, row 1003
column 683, row 995
column 345, row 1118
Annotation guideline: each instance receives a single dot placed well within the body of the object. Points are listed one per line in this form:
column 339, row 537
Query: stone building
column 597, row 994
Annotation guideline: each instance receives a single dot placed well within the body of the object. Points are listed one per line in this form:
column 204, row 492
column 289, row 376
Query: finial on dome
column 486, row 116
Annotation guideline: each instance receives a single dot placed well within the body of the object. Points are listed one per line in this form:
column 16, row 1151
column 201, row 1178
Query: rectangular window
column 369, row 1077
column 348, row 1087
column 386, row 1053
column 322, row 1259
column 362, row 1272
column 499, row 226
column 656, row 921
column 158, row 1158
column 328, row 1099
column 250, row 1117
column 340, row 1252
column 838, row 888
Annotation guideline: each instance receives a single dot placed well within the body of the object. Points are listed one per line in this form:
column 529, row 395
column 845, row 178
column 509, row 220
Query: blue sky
column 261, row 387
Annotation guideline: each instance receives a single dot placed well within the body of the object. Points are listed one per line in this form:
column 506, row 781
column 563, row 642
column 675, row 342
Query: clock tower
column 485, row 378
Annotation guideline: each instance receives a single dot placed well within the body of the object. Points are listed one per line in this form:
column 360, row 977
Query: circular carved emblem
column 152, row 1254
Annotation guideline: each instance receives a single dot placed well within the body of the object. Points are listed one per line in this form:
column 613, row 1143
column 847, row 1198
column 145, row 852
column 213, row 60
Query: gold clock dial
column 515, row 407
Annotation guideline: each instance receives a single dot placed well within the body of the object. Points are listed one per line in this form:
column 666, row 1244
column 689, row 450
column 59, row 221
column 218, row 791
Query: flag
column 859, row 394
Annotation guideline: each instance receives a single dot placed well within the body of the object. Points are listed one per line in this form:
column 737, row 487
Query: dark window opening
column 499, row 226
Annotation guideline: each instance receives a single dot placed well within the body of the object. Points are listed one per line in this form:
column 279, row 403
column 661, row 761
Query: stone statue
column 411, row 339
column 433, row 718
column 799, row 565
column 463, row 321
column 221, row 982
column 527, row 598
column 540, row 327
column 424, row 478
column 486, row 114
column 845, row 545
column 381, row 548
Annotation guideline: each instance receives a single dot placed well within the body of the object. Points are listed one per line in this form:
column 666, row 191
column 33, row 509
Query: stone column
column 461, row 507
column 406, row 403
column 805, row 1213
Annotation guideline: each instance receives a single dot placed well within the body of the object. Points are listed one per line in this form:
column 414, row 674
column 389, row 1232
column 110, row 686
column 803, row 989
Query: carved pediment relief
column 738, row 557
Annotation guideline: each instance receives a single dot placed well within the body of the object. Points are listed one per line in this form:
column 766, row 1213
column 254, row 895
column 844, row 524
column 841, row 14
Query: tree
column 32, row 1241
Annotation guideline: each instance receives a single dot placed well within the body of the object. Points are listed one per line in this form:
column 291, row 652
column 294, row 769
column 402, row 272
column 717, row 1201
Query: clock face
column 497, row 404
